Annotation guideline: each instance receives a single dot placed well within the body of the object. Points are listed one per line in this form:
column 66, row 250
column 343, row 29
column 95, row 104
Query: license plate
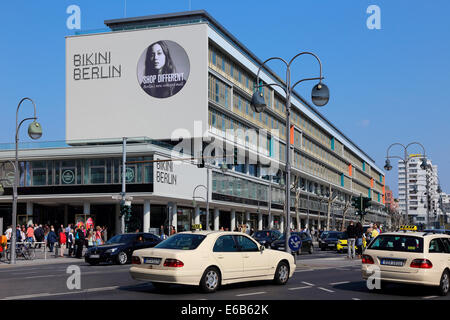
column 392, row 262
column 331, row 245
column 154, row 261
column 94, row 256
column 281, row 248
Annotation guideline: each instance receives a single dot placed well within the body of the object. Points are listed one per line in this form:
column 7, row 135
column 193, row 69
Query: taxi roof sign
column 408, row 228
column 197, row 226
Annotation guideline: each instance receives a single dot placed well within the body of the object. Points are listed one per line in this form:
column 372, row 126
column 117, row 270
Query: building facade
column 213, row 84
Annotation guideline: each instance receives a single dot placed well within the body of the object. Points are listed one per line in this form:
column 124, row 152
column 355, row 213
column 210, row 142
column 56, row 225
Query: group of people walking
column 356, row 237
column 71, row 238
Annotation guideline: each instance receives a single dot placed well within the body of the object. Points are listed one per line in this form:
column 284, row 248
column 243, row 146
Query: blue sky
column 389, row 85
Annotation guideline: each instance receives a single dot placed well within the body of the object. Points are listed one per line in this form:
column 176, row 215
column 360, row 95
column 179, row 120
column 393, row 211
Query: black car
column 331, row 239
column 307, row 243
column 119, row 248
column 322, row 237
column 266, row 237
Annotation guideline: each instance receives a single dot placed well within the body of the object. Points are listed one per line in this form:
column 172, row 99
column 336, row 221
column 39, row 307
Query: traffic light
column 356, row 203
column 366, row 204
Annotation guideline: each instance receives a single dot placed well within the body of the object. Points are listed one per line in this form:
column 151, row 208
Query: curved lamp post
column 320, row 95
column 34, row 132
column 405, row 161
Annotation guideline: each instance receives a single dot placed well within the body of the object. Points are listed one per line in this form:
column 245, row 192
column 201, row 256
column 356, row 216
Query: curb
column 4, row 265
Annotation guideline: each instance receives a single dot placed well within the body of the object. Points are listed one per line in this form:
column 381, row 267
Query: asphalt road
column 320, row 276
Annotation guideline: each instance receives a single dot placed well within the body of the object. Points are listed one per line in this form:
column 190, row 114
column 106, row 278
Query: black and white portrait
column 163, row 69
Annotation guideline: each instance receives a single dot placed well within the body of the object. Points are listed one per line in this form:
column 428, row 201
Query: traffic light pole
column 124, row 170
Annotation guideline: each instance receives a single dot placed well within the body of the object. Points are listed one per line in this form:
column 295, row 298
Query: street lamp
column 319, row 95
column 224, row 168
column 34, row 132
column 405, row 161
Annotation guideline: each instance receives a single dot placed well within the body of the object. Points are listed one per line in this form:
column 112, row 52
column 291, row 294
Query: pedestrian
column 351, row 237
column 90, row 238
column 62, row 241
column 8, row 233
column 172, row 231
column 18, row 234
column 23, row 234
column 79, row 240
column 39, row 235
column 98, row 236
column 375, row 231
column 104, row 234
column 359, row 239
column 162, row 234
column 30, row 233
column 51, row 238
column 70, row 243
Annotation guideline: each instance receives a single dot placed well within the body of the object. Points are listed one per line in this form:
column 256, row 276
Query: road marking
column 46, row 294
column 307, row 283
column 250, row 294
column 355, row 299
column 336, row 283
column 298, row 288
column 327, row 290
column 430, row 297
column 305, row 270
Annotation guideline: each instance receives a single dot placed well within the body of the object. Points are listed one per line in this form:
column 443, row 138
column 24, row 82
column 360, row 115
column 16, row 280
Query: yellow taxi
column 409, row 257
column 342, row 245
column 210, row 259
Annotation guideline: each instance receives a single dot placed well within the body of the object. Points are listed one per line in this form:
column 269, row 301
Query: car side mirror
column 261, row 248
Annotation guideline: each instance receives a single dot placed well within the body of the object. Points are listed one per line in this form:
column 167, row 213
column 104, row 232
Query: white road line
column 46, row 294
column 355, row 299
column 250, row 294
column 305, row 270
column 336, row 283
column 430, row 297
column 327, row 290
column 307, row 283
column 298, row 288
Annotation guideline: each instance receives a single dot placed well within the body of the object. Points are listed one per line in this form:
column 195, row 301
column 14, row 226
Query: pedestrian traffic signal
column 366, row 203
column 361, row 204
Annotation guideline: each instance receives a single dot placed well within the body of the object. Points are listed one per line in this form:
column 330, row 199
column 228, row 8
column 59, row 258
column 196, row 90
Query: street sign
column 294, row 242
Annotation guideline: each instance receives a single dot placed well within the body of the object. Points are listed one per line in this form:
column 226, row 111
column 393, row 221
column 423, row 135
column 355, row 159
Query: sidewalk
column 42, row 258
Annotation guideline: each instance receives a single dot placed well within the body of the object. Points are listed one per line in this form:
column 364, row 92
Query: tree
column 331, row 198
column 347, row 206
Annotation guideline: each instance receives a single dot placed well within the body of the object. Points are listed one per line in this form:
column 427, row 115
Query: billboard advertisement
column 139, row 83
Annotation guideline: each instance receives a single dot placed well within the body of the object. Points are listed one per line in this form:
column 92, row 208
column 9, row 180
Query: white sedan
column 210, row 259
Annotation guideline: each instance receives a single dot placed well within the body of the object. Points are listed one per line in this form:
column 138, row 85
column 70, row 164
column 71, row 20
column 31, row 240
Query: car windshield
column 397, row 243
column 262, row 234
column 332, row 235
column 182, row 241
column 121, row 238
column 292, row 233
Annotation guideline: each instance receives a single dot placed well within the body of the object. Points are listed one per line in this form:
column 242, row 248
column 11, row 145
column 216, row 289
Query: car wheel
column 161, row 286
column 122, row 258
column 444, row 284
column 210, row 280
column 282, row 273
column 311, row 249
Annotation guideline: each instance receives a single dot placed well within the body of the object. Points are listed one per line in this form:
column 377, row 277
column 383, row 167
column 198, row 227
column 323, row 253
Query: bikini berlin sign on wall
column 163, row 69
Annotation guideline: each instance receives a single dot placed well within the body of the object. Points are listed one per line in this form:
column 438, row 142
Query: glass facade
column 79, row 172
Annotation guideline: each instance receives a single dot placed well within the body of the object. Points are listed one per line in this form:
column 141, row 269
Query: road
column 320, row 276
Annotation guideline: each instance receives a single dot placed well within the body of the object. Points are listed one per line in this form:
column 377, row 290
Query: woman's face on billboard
column 158, row 57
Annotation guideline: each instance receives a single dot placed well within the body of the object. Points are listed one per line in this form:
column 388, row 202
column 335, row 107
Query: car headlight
column 111, row 250
column 263, row 241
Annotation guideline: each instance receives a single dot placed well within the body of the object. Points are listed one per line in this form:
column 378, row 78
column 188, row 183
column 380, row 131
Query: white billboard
column 137, row 83
column 178, row 179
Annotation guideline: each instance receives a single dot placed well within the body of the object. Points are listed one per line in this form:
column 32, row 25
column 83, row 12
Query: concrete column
column 86, row 208
column 66, row 215
column 118, row 219
column 282, row 223
column 197, row 215
column 233, row 220
column 173, row 211
column 29, row 213
column 216, row 218
column 260, row 222
column 146, row 215
column 271, row 221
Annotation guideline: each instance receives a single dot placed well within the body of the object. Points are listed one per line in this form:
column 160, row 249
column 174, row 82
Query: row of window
column 220, row 93
column 79, row 172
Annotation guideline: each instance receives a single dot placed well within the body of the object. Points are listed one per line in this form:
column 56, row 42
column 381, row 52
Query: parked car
column 210, row 259
column 119, row 248
column 322, row 237
column 331, row 240
column 442, row 231
column 266, row 237
column 307, row 243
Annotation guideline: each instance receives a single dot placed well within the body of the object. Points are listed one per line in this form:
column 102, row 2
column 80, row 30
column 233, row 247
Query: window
column 436, row 246
column 446, row 242
column 225, row 244
column 397, row 243
column 182, row 241
column 246, row 245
